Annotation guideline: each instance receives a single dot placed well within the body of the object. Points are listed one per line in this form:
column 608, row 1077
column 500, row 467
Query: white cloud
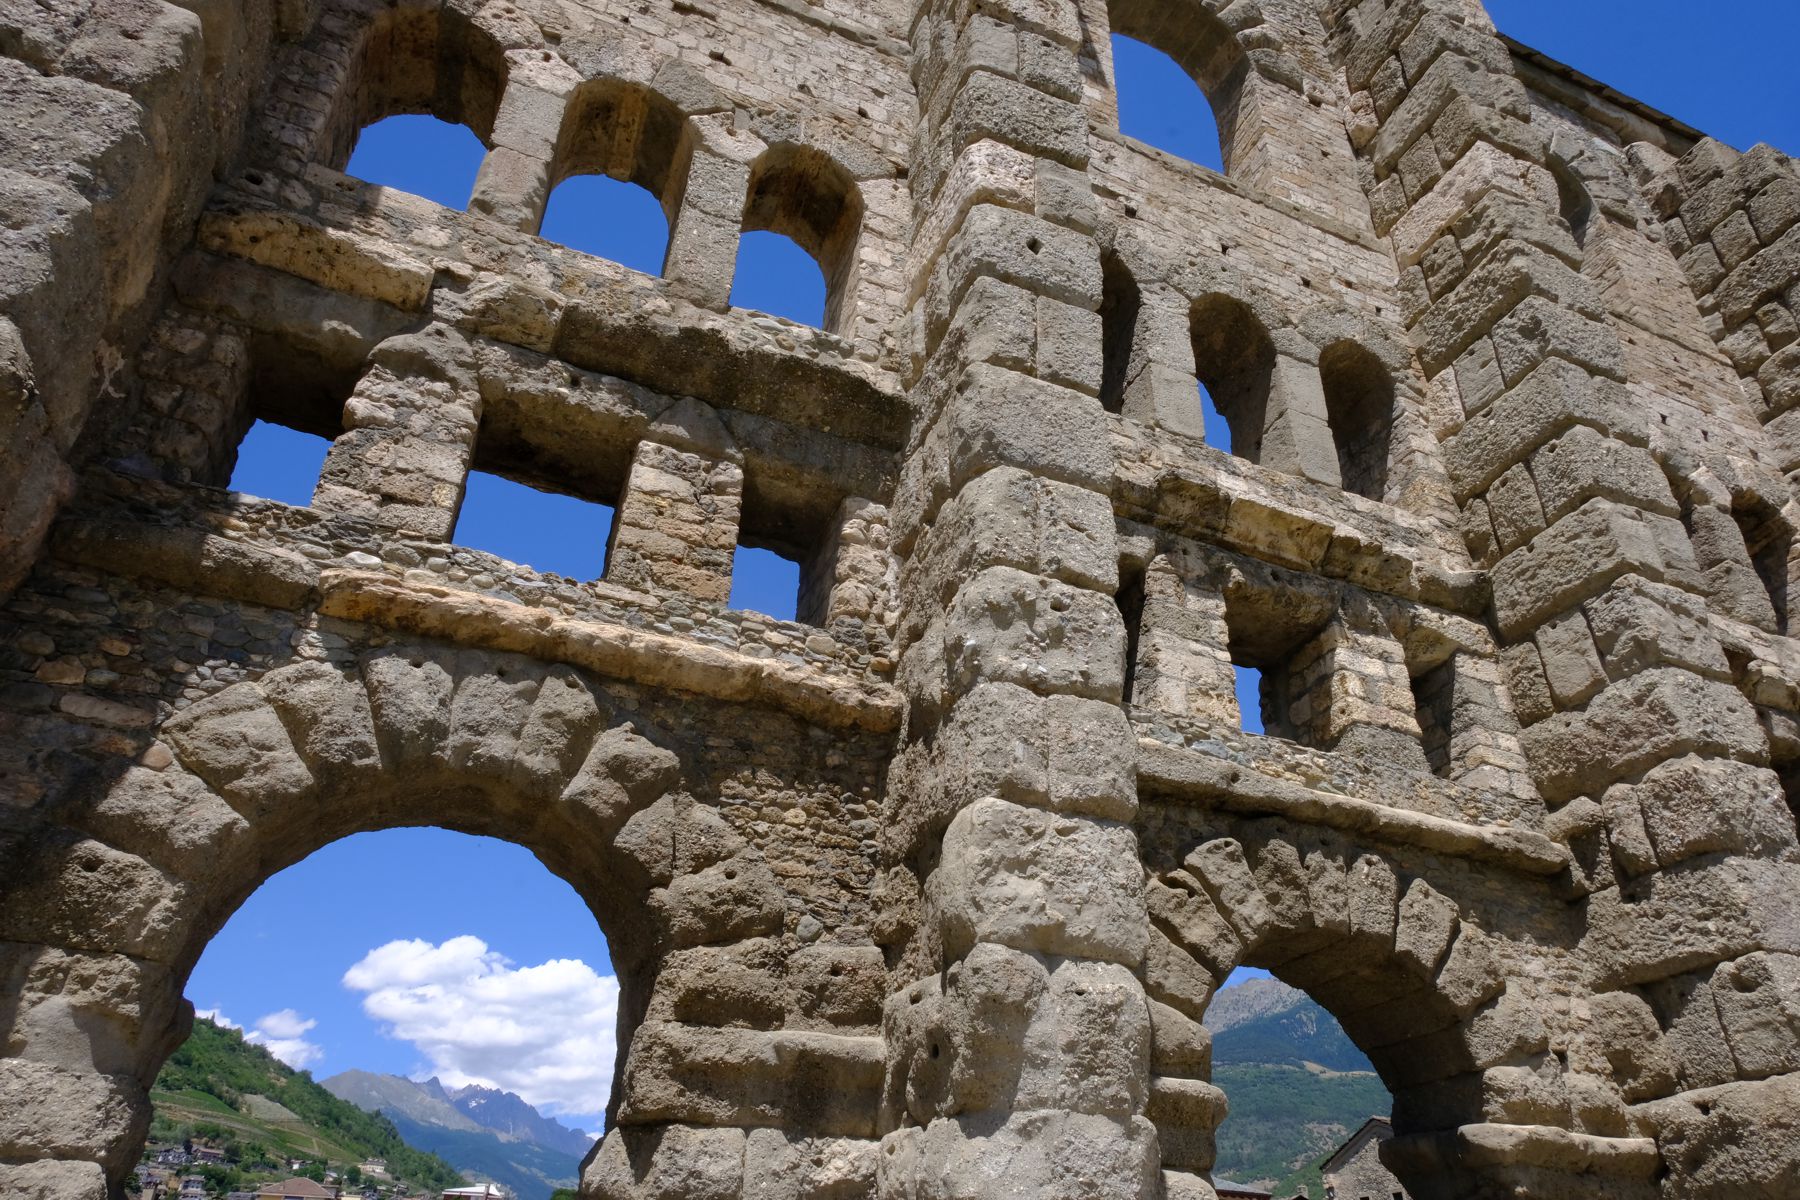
column 217, row 1018
column 282, row 1033
column 544, row 1032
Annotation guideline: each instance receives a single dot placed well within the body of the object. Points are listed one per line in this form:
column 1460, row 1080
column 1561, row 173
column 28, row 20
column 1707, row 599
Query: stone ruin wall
column 925, row 894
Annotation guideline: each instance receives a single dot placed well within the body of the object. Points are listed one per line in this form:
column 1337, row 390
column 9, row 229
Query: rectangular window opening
column 767, row 581
column 1249, row 698
column 277, row 462
column 1130, row 599
column 548, row 531
column 1433, row 696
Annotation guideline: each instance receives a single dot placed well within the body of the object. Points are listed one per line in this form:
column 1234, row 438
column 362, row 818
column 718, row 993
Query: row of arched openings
column 1234, row 367
column 621, row 220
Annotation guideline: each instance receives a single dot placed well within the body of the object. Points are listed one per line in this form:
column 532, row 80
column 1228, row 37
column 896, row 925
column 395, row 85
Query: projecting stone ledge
column 1182, row 773
column 652, row 659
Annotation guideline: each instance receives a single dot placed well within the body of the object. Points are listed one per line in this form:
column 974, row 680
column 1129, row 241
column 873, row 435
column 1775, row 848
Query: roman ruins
column 924, row 895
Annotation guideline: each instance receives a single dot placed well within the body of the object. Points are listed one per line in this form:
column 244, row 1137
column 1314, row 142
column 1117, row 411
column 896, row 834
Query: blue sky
column 421, row 951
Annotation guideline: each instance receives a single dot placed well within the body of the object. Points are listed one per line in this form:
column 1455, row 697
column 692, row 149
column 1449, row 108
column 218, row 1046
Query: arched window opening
column 523, row 523
column 774, row 275
column 802, row 195
column 420, row 155
column 1359, row 403
column 1161, row 104
column 609, row 219
column 382, row 959
column 421, row 63
column 620, row 161
column 279, row 463
column 1120, row 303
column 1298, row 1089
column 1770, row 544
column 1573, row 200
column 1235, row 362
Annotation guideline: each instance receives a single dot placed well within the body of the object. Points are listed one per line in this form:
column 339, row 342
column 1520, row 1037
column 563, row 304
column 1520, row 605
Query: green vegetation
column 1285, row 1121
column 220, row 1090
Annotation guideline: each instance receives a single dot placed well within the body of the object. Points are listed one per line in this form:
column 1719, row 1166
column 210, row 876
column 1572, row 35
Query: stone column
column 516, row 176
column 1588, row 576
column 1297, row 427
column 847, row 586
column 409, row 433
column 1348, row 689
column 704, row 232
column 676, row 526
column 1160, row 386
column 1183, row 666
column 1019, row 1040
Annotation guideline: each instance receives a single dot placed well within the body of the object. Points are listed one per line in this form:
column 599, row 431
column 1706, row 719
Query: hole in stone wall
column 1770, row 545
column 776, row 276
column 1161, row 105
column 1234, row 361
column 1120, row 304
column 1359, row 403
column 1573, row 200
column 380, row 959
column 279, row 463
column 1249, row 697
column 609, row 219
column 420, row 155
column 1130, row 599
column 1434, row 693
column 1218, row 429
column 766, row 581
column 548, row 531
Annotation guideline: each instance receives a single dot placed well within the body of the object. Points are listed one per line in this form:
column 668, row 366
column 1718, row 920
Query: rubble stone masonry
column 924, row 896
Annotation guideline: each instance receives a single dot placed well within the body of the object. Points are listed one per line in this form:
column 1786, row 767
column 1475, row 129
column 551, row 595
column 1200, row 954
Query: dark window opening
column 776, row 276
column 550, row 532
column 804, row 196
column 420, row 155
column 1162, row 105
column 1130, row 599
column 1434, row 694
column 1573, row 201
column 276, row 462
column 609, row 219
column 765, row 580
column 1120, row 304
column 1234, row 361
column 1359, row 403
column 1770, row 544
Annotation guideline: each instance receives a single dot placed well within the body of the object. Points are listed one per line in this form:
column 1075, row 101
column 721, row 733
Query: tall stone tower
column 925, row 895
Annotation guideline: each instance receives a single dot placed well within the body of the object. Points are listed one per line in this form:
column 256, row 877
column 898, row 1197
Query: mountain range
column 484, row 1132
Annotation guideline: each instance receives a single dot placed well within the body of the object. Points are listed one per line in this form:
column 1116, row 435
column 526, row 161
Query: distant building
column 209, row 1155
column 1355, row 1171
column 296, row 1189
column 482, row 1191
column 1228, row 1190
column 172, row 1156
column 373, row 1166
column 192, row 1187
